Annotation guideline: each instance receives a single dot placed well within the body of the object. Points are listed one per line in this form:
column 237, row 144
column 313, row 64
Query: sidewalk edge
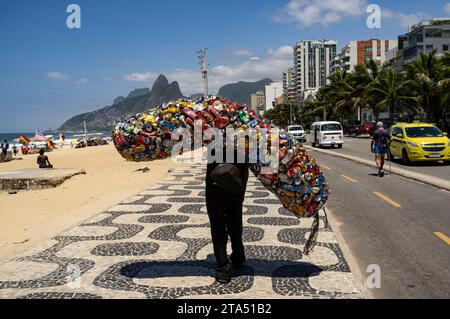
column 352, row 261
column 436, row 182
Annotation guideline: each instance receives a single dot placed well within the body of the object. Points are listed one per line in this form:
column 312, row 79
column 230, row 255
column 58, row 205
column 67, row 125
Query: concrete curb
column 30, row 179
column 433, row 181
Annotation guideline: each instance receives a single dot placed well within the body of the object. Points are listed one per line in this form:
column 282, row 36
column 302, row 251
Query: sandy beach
column 30, row 217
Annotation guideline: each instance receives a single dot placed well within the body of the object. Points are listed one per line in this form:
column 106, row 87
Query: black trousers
column 225, row 215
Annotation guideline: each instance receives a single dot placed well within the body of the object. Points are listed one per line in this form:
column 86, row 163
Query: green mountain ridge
column 143, row 99
column 240, row 92
column 139, row 100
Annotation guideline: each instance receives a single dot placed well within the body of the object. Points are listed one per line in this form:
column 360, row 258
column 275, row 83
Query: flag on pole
column 25, row 140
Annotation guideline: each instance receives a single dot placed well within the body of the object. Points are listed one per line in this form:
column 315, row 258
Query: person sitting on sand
column 43, row 161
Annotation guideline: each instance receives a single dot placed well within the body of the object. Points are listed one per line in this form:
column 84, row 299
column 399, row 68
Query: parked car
column 354, row 130
column 297, row 132
column 419, row 142
column 327, row 134
column 367, row 128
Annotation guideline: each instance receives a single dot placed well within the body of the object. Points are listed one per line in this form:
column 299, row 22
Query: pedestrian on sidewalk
column 225, row 191
column 380, row 146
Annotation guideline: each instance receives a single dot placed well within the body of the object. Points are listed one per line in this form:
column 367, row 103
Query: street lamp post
column 290, row 113
column 274, row 96
column 204, row 64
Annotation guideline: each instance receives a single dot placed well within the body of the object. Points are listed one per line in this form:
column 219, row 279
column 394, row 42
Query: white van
column 327, row 134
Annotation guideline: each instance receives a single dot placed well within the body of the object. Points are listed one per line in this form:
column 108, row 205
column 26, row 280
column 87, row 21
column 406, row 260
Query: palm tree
column 429, row 79
column 340, row 98
column 390, row 90
column 370, row 72
column 365, row 76
column 280, row 114
column 444, row 88
column 423, row 84
column 323, row 101
column 341, row 90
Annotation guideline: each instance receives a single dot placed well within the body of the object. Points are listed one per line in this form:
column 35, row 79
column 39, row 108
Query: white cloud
column 141, row 77
column 242, row 52
column 255, row 58
column 405, row 19
column 325, row 12
column 82, row 81
column 447, row 8
column 270, row 66
column 59, row 76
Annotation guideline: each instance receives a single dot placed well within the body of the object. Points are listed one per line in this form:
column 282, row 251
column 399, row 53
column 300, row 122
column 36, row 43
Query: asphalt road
column 398, row 224
column 360, row 147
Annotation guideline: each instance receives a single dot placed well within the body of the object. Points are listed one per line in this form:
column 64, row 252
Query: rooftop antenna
column 204, row 64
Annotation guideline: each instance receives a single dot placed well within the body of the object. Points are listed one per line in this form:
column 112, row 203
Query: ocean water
column 12, row 136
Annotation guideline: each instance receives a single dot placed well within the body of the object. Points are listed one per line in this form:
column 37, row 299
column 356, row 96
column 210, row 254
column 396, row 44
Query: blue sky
column 50, row 73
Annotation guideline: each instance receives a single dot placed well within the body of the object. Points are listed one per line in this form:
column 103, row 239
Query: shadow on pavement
column 253, row 267
column 386, row 174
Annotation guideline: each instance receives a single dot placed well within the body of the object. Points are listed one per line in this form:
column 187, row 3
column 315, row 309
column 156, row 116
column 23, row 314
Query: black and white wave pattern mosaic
column 157, row 245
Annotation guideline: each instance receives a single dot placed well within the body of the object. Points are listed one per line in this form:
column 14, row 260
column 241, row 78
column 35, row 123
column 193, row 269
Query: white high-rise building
column 312, row 62
column 273, row 91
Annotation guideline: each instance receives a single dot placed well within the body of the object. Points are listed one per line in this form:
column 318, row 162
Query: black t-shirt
column 243, row 167
column 241, row 161
column 381, row 136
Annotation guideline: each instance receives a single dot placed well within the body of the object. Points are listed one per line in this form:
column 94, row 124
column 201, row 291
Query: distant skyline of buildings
column 315, row 60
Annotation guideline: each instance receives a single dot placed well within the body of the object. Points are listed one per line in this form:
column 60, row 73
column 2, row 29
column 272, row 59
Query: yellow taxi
column 414, row 142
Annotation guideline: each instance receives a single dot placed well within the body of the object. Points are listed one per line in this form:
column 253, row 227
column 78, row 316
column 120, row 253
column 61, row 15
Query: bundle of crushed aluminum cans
column 297, row 181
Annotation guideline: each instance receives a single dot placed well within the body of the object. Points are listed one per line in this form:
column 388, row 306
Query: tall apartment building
column 289, row 90
column 312, row 62
column 423, row 37
column 361, row 52
column 258, row 101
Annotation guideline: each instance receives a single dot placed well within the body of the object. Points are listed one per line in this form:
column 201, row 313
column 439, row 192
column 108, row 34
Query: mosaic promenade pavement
column 157, row 245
